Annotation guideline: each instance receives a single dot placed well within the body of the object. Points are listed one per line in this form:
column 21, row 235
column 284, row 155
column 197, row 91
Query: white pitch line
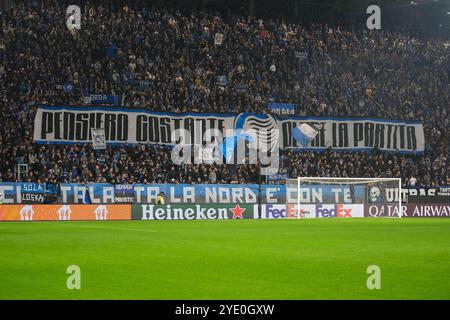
column 100, row 227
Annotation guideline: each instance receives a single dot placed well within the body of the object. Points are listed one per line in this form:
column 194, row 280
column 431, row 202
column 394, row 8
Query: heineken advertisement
column 192, row 212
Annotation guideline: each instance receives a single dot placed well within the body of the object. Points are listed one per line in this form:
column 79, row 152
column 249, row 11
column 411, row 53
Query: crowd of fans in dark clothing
column 166, row 61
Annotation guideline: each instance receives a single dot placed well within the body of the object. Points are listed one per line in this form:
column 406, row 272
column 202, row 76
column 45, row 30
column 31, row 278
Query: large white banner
column 66, row 125
column 73, row 125
column 357, row 134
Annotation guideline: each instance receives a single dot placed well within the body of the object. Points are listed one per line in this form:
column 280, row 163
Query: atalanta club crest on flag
column 98, row 139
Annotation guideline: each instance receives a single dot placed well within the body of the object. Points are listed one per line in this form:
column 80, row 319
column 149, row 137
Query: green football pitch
column 240, row 259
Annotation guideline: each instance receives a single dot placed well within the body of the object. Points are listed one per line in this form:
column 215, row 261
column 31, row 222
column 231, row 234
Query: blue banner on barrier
column 173, row 193
column 27, row 192
column 196, row 193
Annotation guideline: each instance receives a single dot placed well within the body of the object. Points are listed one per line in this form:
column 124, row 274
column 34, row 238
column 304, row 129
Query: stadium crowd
column 168, row 61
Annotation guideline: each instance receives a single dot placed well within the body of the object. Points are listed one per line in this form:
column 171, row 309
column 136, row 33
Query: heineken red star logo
column 237, row 212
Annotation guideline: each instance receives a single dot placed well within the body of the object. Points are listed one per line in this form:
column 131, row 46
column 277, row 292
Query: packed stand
column 167, row 61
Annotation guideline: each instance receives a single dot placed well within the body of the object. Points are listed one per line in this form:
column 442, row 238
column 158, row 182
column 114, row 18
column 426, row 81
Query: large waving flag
column 229, row 144
column 304, row 134
column 252, row 127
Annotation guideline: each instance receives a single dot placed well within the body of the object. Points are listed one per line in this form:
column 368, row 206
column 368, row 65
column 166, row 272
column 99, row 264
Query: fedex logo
column 275, row 211
column 331, row 211
column 305, row 211
column 290, row 211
